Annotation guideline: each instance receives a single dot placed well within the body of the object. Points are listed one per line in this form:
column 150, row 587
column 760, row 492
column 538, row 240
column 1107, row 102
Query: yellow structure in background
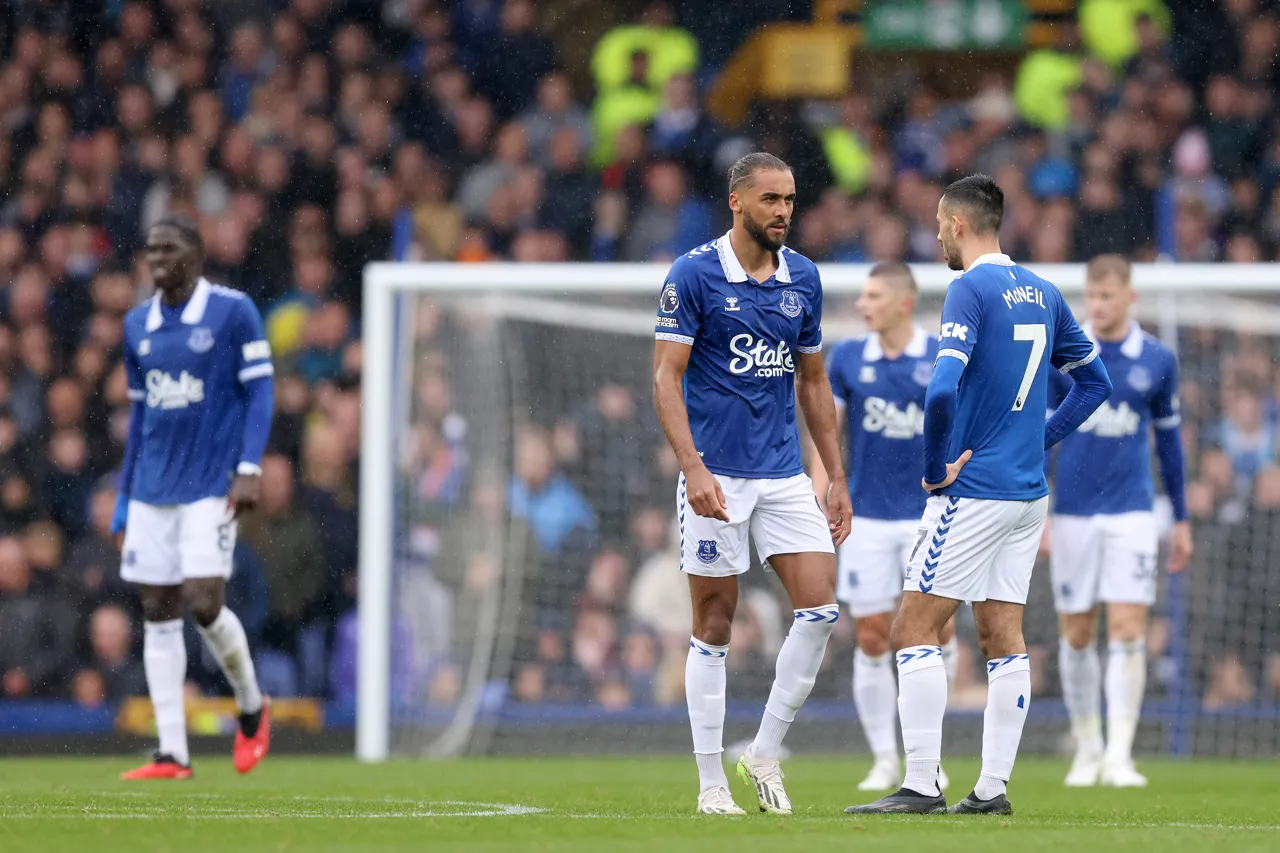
column 218, row 716
column 815, row 60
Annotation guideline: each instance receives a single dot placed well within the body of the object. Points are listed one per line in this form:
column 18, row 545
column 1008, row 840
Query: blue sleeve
column 1059, row 385
column 132, row 446
column 1071, row 346
column 835, row 375
column 939, row 414
column 253, row 349
column 961, row 322
column 255, row 373
column 679, row 307
column 1091, row 388
column 810, row 340
column 1167, row 418
column 1169, row 452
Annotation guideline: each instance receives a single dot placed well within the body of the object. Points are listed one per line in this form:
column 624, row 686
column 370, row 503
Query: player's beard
column 951, row 255
column 760, row 233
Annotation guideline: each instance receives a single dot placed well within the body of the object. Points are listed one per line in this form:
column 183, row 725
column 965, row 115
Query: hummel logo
column 731, row 303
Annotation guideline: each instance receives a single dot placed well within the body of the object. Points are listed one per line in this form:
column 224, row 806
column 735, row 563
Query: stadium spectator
column 111, row 639
column 286, row 538
column 557, row 512
column 37, row 628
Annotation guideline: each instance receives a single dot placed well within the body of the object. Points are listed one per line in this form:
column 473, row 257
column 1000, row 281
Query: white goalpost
column 478, row 596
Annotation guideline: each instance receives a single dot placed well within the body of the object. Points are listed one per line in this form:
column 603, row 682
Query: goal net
column 519, row 588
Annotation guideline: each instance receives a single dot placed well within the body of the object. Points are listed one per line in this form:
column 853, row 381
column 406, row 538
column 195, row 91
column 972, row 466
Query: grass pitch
column 589, row 804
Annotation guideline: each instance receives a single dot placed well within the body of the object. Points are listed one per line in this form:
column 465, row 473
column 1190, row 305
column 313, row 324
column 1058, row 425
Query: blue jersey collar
column 733, row 270
column 998, row 258
column 192, row 313
column 917, row 347
column 1131, row 346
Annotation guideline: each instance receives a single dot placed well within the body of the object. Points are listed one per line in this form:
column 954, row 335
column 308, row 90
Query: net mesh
column 537, row 604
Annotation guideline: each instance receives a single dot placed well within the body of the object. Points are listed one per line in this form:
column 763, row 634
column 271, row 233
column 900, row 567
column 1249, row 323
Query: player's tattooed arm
column 670, row 360
column 813, row 392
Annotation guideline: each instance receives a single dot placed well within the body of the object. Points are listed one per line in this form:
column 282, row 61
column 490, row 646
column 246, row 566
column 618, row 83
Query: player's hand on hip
column 839, row 510
column 245, row 492
column 1046, row 543
column 703, row 492
column 1181, row 546
column 953, row 471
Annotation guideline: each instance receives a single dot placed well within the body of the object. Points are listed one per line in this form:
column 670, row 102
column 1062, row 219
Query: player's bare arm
column 670, row 360
column 813, row 392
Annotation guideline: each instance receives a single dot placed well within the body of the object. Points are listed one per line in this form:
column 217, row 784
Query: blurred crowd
column 309, row 137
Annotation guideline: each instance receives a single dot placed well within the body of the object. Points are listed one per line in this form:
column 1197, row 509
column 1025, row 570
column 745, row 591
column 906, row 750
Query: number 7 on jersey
column 1034, row 332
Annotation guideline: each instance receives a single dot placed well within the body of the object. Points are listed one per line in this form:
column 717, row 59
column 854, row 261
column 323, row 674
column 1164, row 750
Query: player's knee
column 1128, row 631
column 713, row 623
column 1078, row 633
column 160, row 603
column 204, row 600
column 998, row 641
column 873, row 634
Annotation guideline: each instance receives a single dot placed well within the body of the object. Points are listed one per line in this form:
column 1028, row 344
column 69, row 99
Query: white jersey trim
column 674, row 338
column 256, row 371
column 1070, row 366
column 810, row 350
column 954, row 353
column 137, row 396
column 1171, row 422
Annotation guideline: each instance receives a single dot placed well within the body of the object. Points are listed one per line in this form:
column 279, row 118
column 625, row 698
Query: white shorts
column 1109, row 558
column 781, row 516
column 972, row 549
column 873, row 564
column 164, row 545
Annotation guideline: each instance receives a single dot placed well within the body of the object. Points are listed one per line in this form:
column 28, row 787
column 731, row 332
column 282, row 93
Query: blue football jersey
column 739, row 386
column 1007, row 325
column 883, row 401
column 188, row 366
column 1104, row 467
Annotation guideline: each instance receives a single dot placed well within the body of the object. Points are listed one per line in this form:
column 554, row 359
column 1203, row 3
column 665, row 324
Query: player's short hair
column 897, row 274
column 184, row 225
column 1108, row 266
column 981, row 198
column 742, row 173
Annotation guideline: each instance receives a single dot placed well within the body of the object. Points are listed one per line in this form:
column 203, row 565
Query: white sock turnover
column 875, row 697
column 704, row 689
column 922, row 703
column 226, row 640
column 797, row 668
column 1008, row 698
column 164, row 660
column 1081, row 672
column 1126, row 682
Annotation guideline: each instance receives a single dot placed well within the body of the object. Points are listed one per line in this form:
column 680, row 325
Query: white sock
column 704, row 687
column 226, row 640
column 1126, row 682
column 164, row 659
column 949, row 659
column 797, row 668
column 875, row 696
column 922, row 703
column 1008, row 698
column 1081, row 672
